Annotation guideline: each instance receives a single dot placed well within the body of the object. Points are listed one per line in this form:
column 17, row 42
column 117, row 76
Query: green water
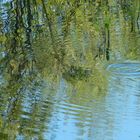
column 69, row 69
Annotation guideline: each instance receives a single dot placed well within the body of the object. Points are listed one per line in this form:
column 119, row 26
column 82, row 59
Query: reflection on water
column 123, row 100
column 54, row 84
column 125, row 69
column 63, row 111
column 114, row 117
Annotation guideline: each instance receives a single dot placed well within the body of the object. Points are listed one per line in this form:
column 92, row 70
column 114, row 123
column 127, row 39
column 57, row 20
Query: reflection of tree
column 54, row 38
column 131, row 12
column 16, row 59
column 19, row 72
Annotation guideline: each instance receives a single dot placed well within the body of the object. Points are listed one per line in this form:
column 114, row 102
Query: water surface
column 69, row 70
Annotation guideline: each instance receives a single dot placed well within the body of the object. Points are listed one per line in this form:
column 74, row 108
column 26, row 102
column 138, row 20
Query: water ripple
column 131, row 69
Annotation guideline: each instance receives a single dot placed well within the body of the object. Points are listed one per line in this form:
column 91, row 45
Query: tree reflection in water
column 43, row 43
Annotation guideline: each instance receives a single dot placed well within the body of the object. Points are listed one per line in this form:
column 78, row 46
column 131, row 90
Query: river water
column 69, row 70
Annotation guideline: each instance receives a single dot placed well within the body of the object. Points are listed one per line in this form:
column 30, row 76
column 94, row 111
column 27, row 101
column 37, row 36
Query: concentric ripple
column 126, row 68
